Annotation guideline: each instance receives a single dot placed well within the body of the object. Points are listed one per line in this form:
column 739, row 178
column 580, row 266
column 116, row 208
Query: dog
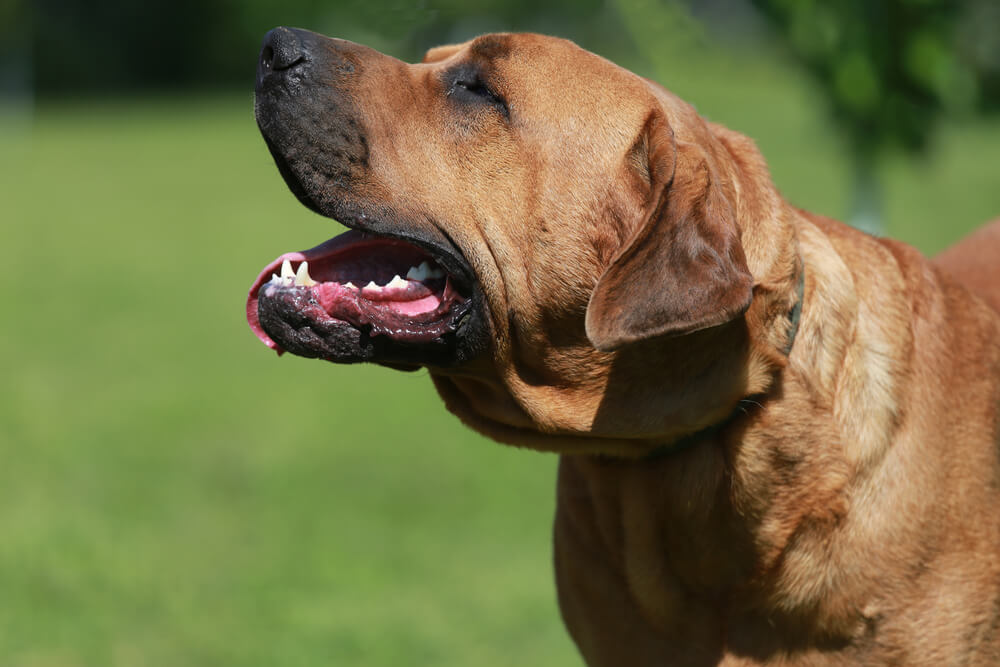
column 778, row 435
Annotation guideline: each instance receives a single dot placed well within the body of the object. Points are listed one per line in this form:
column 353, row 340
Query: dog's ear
column 683, row 269
column 439, row 53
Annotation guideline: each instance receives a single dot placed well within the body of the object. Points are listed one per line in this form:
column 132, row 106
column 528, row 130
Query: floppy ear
column 439, row 53
column 684, row 268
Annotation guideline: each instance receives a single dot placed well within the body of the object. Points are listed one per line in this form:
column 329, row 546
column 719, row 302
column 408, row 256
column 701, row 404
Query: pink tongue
column 330, row 295
column 425, row 305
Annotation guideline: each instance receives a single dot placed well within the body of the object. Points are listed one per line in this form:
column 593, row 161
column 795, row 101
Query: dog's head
column 555, row 238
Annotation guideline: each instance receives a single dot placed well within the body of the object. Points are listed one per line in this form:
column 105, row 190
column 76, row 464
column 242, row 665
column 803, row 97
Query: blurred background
column 172, row 493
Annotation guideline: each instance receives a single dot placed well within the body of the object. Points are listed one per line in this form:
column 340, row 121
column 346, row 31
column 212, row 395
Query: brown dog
column 779, row 435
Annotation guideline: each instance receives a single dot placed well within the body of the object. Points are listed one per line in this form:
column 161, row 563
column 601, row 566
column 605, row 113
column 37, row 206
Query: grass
column 174, row 494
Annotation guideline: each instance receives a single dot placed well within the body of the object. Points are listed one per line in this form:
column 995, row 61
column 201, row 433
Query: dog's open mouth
column 396, row 289
column 359, row 297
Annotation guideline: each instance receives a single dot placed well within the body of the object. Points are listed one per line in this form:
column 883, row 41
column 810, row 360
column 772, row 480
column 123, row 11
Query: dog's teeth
column 286, row 270
column 302, row 277
column 275, row 279
column 431, row 272
column 397, row 282
column 350, row 285
column 371, row 285
column 423, row 272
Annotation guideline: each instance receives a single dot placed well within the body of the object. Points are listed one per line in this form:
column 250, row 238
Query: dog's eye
column 474, row 87
column 473, row 90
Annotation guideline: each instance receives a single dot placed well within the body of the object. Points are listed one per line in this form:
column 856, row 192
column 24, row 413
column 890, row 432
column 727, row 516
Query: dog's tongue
column 358, row 279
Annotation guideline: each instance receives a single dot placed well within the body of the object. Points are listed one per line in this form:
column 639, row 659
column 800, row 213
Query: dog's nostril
column 282, row 49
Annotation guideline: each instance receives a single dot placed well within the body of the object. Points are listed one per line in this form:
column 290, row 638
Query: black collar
column 688, row 441
column 795, row 315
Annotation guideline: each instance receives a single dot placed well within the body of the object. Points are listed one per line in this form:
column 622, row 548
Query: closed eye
column 475, row 87
column 467, row 87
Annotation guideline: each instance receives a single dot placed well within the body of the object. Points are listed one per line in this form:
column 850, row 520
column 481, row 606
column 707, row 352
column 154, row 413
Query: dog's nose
column 282, row 49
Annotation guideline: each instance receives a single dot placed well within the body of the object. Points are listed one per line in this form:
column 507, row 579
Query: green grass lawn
column 175, row 494
column 172, row 493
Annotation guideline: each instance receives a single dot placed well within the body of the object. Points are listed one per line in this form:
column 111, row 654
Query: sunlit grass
column 172, row 492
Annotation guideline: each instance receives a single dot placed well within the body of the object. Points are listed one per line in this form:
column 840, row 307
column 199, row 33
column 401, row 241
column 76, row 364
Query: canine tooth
column 286, row 270
column 396, row 282
column 302, row 276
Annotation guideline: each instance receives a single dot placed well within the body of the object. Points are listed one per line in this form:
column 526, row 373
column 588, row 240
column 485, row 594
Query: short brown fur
column 835, row 505
column 975, row 262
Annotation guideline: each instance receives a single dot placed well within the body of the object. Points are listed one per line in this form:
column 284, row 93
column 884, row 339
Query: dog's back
column 975, row 262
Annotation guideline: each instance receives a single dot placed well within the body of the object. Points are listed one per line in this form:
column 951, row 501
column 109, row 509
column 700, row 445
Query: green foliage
column 889, row 69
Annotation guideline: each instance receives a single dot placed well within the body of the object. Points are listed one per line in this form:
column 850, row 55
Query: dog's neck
column 746, row 515
column 709, row 432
